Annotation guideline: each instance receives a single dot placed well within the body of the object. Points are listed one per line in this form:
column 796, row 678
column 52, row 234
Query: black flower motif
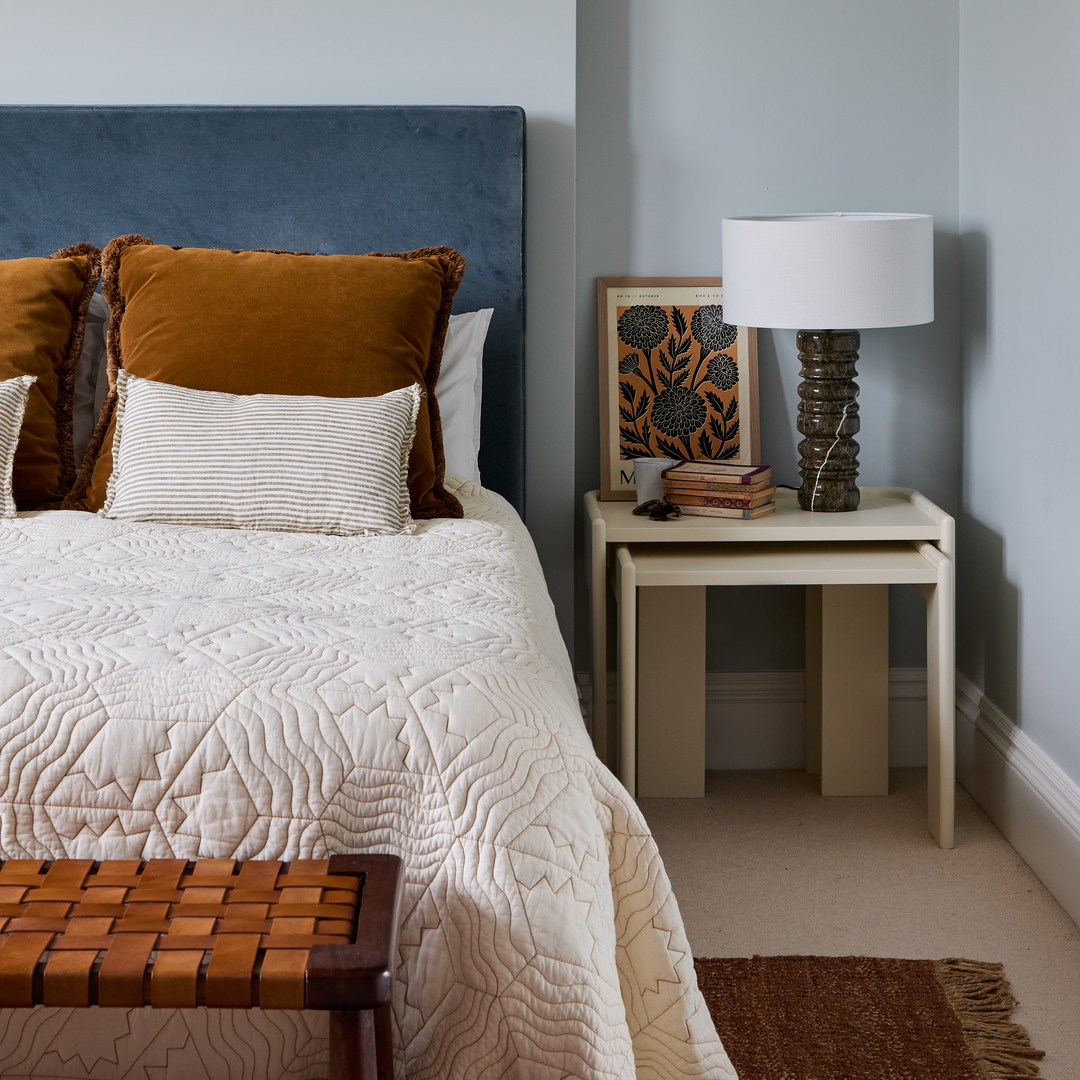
column 629, row 363
column 678, row 411
column 709, row 329
column 723, row 372
column 643, row 326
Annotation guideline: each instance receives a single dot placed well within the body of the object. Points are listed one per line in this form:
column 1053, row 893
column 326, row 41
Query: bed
column 177, row 689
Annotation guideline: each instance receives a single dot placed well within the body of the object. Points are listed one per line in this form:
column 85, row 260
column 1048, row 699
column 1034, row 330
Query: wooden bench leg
column 384, row 1042
column 353, row 1045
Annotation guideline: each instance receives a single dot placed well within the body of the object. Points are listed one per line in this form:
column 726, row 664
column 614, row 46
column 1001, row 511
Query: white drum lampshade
column 828, row 276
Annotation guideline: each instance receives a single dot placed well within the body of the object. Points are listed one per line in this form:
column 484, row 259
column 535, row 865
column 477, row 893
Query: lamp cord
column 836, row 439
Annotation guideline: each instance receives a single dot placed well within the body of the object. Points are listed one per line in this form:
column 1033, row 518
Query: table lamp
column 844, row 271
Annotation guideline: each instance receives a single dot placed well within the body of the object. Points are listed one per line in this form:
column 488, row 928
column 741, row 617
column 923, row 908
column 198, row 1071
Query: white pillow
column 91, row 382
column 262, row 461
column 459, row 389
column 13, row 393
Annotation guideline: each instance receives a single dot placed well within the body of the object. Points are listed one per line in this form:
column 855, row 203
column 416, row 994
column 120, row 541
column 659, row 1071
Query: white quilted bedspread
column 167, row 691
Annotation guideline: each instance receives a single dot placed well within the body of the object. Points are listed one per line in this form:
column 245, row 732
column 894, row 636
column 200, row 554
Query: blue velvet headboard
column 310, row 178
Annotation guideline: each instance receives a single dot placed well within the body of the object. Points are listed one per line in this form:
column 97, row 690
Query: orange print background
column 678, row 379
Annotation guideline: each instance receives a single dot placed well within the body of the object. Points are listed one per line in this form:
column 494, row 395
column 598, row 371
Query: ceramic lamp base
column 828, row 418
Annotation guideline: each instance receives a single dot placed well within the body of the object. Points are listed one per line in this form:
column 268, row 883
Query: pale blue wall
column 692, row 110
column 1019, row 596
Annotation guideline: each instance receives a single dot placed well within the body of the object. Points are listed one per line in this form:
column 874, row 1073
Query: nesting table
column 846, row 561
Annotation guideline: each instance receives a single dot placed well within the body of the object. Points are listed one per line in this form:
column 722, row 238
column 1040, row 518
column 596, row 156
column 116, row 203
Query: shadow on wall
column 550, row 378
column 604, row 242
column 988, row 616
column 778, row 384
column 987, row 602
column 975, row 298
column 918, row 398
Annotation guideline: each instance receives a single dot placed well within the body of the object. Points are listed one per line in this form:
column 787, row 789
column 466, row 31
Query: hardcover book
column 719, row 472
column 736, row 499
column 684, row 487
column 730, row 511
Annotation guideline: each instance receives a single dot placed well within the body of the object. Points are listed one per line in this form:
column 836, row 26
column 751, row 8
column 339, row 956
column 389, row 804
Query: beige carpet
column 763, row 865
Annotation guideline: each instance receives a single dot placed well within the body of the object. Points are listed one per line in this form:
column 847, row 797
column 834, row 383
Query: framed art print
column 675, row 379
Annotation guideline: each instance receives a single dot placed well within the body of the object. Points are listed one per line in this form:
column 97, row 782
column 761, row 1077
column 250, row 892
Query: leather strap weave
column 168, row 932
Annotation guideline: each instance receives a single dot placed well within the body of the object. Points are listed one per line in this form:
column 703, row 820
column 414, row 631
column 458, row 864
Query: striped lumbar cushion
column 13, row 393
column 261, row 461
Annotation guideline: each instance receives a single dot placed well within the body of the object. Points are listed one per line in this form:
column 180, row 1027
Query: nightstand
column 846, row 561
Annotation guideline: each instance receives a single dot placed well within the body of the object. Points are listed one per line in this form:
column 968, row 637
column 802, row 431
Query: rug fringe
column 980, row 996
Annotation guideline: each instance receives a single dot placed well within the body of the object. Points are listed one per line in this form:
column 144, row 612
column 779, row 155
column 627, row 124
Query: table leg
column 847, row 635
column 941, row 704
column 598, row 614
column 626, row 596
column 671, row 691
column 812, row 678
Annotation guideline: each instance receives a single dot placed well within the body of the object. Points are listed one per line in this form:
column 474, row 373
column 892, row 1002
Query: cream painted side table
column 846, row 561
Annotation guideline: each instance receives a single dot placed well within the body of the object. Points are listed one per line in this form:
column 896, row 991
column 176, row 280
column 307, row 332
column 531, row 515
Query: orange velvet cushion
column 42, row 313
column 271, row 322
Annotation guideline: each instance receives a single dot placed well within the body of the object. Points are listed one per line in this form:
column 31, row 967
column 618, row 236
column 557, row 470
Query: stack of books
column 717, row 489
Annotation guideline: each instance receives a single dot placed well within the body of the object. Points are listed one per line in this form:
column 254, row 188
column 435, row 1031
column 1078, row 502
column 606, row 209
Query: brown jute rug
column 866, row 1018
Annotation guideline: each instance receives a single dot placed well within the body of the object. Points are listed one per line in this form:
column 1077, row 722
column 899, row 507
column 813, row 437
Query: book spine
column 754, row 474
column 715, row 511
column 692, row 485
column 702, row 491
column 746, row 502
column 726, row 512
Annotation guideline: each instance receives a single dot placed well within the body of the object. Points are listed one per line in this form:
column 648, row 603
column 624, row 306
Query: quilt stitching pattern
column 168, row 691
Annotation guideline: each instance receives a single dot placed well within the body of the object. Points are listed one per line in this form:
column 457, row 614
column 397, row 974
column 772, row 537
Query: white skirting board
column 1026, row 795
column 755, row 721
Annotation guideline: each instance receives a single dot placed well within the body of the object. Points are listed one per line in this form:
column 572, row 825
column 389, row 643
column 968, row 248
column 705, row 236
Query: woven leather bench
column 169, row 933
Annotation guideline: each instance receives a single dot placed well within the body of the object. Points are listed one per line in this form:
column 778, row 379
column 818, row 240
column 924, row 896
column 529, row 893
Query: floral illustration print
column 678, row 411
column 678, row 383
column 723, row 372
column 709, row 329
column 643, row 326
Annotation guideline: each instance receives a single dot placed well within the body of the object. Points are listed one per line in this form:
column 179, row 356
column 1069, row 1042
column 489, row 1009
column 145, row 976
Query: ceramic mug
column 648, row 478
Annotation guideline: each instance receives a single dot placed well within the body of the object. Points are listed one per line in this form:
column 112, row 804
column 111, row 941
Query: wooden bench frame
column 169, row 933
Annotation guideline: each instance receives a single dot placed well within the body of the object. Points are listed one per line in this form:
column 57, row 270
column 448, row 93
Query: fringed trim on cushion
column 65, row 391
column 453, row 263
column 980, row 996
column 110, row 289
